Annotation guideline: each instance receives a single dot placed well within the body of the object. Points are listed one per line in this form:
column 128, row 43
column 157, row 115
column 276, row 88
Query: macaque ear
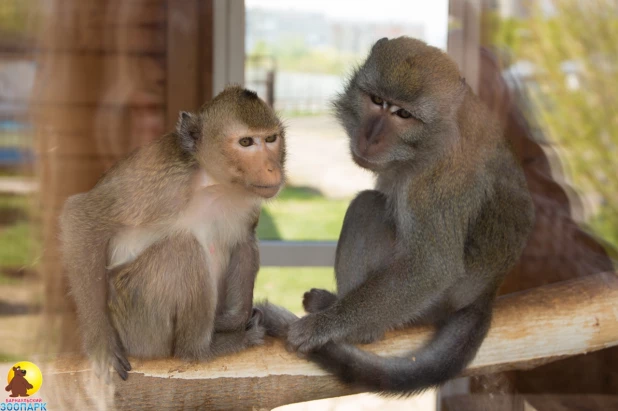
column 381, row 41
column 189, row 130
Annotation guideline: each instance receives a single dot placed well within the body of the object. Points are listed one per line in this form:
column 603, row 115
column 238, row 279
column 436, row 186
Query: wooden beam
column 183, row 77
column 464, row 38
column 189, row 57
column 100, row 80
column 529, row 329
column 107, row 27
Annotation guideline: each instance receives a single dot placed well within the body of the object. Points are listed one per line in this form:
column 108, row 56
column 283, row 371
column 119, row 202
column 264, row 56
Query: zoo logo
column 24, row 379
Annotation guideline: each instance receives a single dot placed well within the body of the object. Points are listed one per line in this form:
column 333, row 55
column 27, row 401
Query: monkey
column 161, row 254
column 449, row 216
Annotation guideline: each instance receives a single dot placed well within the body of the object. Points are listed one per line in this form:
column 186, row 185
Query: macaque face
column 240, row 142
column 378, row 137
column 254, row 159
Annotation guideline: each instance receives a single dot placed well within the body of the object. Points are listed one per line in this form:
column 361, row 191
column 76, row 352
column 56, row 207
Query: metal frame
column 229, row 44
column 297, row 253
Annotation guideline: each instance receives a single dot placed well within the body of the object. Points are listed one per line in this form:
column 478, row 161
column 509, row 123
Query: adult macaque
column 448, row 218
column 161, row 254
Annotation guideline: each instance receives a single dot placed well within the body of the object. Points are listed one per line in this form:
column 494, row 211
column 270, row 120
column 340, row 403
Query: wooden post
column 189, row 57
column 464, row 38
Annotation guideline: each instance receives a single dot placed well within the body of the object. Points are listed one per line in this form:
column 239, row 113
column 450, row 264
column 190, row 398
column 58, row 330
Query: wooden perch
column 529, row 328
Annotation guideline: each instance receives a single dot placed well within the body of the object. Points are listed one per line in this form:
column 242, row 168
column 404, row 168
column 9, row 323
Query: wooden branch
column 529, row 329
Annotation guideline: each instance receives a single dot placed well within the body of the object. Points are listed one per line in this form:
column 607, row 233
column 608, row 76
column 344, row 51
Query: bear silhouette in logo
column 19, row 384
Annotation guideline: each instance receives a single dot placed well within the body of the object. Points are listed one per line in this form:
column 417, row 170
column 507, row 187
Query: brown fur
column 161, row 254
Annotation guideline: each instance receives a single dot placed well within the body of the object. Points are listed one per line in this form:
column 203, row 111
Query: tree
column 575, row 95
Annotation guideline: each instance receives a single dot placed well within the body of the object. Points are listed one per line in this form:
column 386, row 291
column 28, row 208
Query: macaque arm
column 85, row 251
column 393, row 295
column 238, row 289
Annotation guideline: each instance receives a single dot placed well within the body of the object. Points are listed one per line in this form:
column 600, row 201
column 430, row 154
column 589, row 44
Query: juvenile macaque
column 448, row 218
column 161, row 254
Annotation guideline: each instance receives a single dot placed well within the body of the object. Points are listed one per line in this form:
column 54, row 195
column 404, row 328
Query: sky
column 433, row 14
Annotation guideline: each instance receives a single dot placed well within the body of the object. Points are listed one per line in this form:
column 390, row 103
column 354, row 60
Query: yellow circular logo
column 24, row 379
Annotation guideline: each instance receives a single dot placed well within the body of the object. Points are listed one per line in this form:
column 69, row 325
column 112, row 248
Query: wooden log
column 529, row 328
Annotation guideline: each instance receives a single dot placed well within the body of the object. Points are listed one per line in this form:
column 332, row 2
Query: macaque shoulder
column 218, row 209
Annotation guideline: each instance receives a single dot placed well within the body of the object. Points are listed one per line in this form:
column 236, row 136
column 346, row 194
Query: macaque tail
column 451, row 349
column 276, row 319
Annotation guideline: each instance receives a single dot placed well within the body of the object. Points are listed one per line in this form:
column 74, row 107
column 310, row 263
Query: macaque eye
column 271, row 139
column 377, row 100
column 403, row 113
column 246, row 141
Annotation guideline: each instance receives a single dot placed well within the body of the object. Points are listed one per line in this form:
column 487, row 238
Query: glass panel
column 297, row 57
column 548, row 70
column 21, row 291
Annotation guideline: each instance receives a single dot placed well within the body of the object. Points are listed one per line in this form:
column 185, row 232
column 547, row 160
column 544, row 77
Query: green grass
column 285, row 285
column 16, row 245
column 16, row 236
column 14, row 201
column 298, row 214
column 302, row 214
column 4, row 357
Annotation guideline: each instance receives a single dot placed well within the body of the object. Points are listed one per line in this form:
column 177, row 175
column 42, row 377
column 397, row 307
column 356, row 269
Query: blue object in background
column 13, row 156
column 11, row 125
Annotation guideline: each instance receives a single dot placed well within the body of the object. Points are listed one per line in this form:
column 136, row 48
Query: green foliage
column 292, row 54
column 578, row 112
column 295, row 113
column 14, row 16
column 504, row 33
column 604, row 225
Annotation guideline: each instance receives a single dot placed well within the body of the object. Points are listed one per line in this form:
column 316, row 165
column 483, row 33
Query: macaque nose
column 271, row 166
column 375, row 130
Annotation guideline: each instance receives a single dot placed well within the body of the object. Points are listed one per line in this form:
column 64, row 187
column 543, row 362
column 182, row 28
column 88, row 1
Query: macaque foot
column 307, row 334
column 255, row 330
column 114, row 355
column 317, row 300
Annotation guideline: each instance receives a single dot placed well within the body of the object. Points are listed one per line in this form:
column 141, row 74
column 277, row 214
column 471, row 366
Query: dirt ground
column 319, row 157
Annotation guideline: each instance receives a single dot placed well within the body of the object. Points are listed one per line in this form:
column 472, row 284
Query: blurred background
column 83, row 82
